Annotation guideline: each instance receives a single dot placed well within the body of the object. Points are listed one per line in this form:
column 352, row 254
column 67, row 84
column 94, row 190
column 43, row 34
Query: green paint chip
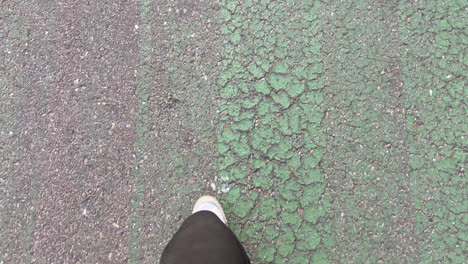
column 247, row 115
column 315, row 69
column 243, row 87
column 227, row 160
column 237, row 173
column 299, row 72
column 291, row 218
column 314, row 84
column 312, row 176
column 307, row 238
column 283, row 174
column 258, row 142
column 263, row 183
column 233, row 195
column 222, row 148
column 280, row 52
column 232, row 109
column 445, row 165
column 263, row 179
column 231, row 5
column 281, row 151
column 282, row 99
column 242, row 207
column 298, row 257
column 265, row 172
column 256, row 27
column 262, row 87
column 263, row 63
column 268, row 208
column 289, row 206
column 244, row 125
column 450, row 240
column 279, row 82
column 255, row 71
column 267, row 133
column 320, row 257
column 265, row 108
column 257, row 164
column 312, row 113
column 229, row 91
column 295, row 161
column 311, row 162
column 289, row 190
column 294, row 121
column 249, row 103
column 312, row 214
column 312, row 97
column 284, row 125
column 235, row 38
column 225, row 15
column 229, row 136
column 312, row 195
column 241, row 148
column 286, row 248
column 463, row 236
column 281, row 68
column 295, row 89
column 224, row 78
column 266, row 253
column 270, row 233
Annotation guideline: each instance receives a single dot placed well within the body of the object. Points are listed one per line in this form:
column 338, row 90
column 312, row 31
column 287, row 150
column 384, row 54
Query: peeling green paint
column 268, row 138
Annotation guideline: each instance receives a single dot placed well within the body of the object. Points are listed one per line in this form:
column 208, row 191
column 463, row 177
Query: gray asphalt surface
column 70, row 73
column 70, row 76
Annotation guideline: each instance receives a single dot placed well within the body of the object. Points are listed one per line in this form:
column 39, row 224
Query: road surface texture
column 331, row 131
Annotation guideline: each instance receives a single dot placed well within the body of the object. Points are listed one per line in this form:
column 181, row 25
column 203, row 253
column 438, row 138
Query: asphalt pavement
column 330, row 131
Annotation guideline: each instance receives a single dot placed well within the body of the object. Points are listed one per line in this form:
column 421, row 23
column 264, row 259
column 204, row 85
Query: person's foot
column 209, row 203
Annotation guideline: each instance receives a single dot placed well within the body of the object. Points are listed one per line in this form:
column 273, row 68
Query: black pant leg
column 204, row 239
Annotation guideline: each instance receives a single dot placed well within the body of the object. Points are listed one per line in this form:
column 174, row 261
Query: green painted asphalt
column 342, row 130
column 366, row 159
column 135, row 221
column 434, row 69
column 270, row 141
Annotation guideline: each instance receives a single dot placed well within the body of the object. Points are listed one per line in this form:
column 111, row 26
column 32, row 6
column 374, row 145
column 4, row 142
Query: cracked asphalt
column 331, row 131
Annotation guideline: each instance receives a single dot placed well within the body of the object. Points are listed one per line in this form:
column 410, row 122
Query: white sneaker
column 209, row 203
